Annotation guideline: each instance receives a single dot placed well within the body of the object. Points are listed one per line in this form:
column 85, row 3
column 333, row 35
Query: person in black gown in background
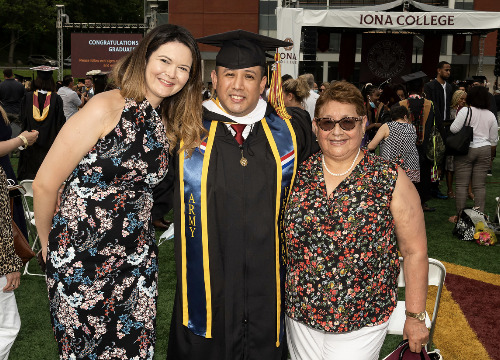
column 41, row 110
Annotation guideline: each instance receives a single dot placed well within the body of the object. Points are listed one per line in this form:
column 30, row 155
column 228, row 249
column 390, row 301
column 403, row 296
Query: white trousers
column 10, row 322
column 306, row 343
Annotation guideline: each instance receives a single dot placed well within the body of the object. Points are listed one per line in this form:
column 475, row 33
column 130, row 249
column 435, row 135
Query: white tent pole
column 449, row 41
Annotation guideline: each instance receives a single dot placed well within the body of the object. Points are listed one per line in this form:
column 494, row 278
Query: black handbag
column 402, row 353
column 466, row 224
column 458, row 143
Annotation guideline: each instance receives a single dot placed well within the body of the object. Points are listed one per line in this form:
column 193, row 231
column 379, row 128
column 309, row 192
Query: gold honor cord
column 279, row 172
column 185, row 311
column 204, row 224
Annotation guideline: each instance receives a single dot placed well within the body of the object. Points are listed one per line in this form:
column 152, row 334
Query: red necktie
column 239, row 132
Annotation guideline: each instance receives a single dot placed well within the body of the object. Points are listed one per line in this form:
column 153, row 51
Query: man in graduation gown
column 228, row 198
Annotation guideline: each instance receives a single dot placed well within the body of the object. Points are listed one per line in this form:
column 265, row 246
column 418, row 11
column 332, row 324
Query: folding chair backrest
column 28, row 186
column 30, row 222
column 437, row 274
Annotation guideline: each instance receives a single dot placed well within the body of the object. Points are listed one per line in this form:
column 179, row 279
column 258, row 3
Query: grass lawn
column 26, row 72
column 36, row 342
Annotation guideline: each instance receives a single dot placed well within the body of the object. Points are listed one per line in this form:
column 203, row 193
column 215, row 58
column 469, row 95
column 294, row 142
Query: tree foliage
column 29, row 26
column 128, row 11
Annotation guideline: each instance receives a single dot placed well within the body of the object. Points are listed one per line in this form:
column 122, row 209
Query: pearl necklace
column 345, row 172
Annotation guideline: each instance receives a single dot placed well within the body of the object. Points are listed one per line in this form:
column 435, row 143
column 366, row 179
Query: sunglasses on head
column 346, row 123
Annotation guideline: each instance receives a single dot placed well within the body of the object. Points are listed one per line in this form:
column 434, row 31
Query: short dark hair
column 262, row 70
column 286, row 77
column 478, row 97
column 67, row 79
column 441, row 64
column 7, row 73
column 398, row 112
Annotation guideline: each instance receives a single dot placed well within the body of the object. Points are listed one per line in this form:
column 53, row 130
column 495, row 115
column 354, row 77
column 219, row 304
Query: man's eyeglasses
column 346, row 123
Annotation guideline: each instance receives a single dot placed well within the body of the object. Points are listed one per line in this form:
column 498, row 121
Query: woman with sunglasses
column 344, row 212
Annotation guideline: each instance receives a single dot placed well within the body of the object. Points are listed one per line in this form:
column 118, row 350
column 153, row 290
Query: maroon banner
column 430, row 55
column 459, row 42
column 93, row 51
column 385, row 56
column 347, row 56
column 323, row 40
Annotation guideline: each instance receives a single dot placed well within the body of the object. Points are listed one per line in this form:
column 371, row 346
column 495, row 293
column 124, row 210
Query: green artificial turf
column 35, row 340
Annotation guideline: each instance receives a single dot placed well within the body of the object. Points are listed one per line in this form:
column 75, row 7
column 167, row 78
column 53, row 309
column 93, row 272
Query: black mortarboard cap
column 479, row 78
column 419, row 75
column 44, row 71
column 242, row 49
column 20, row 78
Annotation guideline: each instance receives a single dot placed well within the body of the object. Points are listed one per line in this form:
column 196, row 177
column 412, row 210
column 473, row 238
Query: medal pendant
column 243, row 161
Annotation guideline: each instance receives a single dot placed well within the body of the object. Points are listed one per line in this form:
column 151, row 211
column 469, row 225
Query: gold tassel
column 276, row 90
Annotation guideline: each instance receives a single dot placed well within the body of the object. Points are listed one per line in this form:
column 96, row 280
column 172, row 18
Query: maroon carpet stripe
column 480, row 303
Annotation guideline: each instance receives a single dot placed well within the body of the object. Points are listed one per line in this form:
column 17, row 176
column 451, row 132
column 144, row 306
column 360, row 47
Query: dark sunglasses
column 347, row 123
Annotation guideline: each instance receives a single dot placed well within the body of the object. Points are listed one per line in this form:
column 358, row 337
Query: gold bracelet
column 25, row 141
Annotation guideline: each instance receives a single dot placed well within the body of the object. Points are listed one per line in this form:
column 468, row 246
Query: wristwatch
column 419, row 316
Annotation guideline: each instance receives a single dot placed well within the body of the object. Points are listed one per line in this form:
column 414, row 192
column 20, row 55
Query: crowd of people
column 287, row 223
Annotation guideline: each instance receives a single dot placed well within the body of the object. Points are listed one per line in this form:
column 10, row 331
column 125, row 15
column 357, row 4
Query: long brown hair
column 181, row 111
column 4, row 116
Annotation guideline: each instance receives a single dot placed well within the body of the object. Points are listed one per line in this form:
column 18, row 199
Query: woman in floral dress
column 102, row 263
column 344, row 212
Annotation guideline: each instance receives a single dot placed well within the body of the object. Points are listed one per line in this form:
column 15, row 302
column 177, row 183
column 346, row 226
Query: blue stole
column 193, row 171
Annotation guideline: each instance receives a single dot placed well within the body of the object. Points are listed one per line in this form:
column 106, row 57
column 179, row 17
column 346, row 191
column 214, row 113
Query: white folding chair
column 29, row 215
column 437, row 274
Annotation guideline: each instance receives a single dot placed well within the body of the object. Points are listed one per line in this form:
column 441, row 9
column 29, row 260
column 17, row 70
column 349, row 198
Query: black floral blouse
column 9, row 261
column 342, row 257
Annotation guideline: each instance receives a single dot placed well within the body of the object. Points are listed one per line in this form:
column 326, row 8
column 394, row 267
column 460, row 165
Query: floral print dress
column 102, row 263
column 342, row 257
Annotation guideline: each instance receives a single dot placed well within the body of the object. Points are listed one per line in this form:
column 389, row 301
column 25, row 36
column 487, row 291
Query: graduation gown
column 241, row 241
column 31, row 158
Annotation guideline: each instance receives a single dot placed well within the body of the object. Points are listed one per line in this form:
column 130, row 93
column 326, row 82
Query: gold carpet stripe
column 490, row 278
column 453, row 336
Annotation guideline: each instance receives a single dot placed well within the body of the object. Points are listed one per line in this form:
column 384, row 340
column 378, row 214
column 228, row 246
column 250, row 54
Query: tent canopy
column 407, row 16
column 398, row 15
column 400, row 5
